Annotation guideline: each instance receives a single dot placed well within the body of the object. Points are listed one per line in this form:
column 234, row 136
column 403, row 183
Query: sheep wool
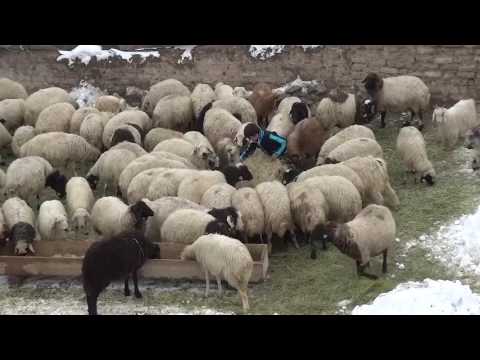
column 78, row 117
column 55, row 117
column 306, row 139
column 161, row 90
column 92, row 130
column 355, row 147
column 20, row 220
column 286, row 104
column 174, row 112
column 5, row 137
column 41, row 99
column 80, row 200
column 330, row 112
column 112, row 104
column 264, row 168
column 198, row 139
column 225, row 257
column 412, row 150
column 126, row 117
column 263, row 101
column 349, row 133
column 249, row 204
column 134, row 148
column 20, row 137
column 185, row 226
column 240, row 91
column 202, row 95
column 52, row 221
column 194, row 186
column 12, row 112
column 220, row 124
column 281, row 124
column 218, row 196
column 157, row 135
column 10, row 89
column 223, row 91
column 165, row 183
column 239, row 107
column 228, row 153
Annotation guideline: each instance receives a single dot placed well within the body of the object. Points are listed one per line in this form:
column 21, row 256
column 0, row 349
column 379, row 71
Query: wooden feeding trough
column 64, row 258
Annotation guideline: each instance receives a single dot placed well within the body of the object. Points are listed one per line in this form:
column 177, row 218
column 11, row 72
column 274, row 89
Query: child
column 270, row 142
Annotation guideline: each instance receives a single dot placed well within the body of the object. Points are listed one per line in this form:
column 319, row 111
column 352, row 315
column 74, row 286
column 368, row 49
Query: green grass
column 299, row 285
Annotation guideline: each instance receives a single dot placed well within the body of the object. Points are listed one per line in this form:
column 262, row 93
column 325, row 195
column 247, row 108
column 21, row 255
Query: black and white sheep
column 20, row 221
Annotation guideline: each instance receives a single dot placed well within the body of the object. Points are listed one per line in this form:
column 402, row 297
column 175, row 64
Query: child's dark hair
column 250, row 130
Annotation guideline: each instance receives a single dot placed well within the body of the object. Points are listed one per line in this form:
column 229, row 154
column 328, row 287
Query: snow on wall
column 430, row 297
column 264, row 52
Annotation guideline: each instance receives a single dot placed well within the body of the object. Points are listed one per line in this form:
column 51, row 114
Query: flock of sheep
column 170, row 171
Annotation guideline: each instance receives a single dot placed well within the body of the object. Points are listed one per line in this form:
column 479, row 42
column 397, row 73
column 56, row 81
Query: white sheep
column 5, row 137
column 165, row 183
column 228, row 153
column 160, row 90
column 60, row 149
column 218, row 196
column 174, row 112
column 223, row 91
column 369, row 234
column 352, row 148
column 92, row 130
column 10, row 89
column 344, row 135
column 239, row 107
column 198, row 139
column 202, row 95
column 224, row 257
column 41, row 99
column 20, row 137
column 157, row 135
column 78, row 117
column 412, row 150
column 12, row 112
column 112, row 104
column 281, row 124
column 453, row 123
column 249, row 204
column 20, row 221
column 80, row 200
column 165, row 155
column 339, row 109
column 278, row 214
column 200, row 156
column 52, row 221
column 55, row 117
column 220, row 124
column 374, row 174
column 398, row 94
column 110, row 216
column 194, row 186
column 264, row 168
column 134, row 148
column 136, row 117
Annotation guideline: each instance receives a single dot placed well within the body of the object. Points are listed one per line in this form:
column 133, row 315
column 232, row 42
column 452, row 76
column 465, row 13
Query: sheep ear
column 30, row 247
column 230, row 221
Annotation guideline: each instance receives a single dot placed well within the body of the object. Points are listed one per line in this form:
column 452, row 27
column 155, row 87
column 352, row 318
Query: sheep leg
column 207, row 283
column 138, row 295
column 244, row 299
column 105, row 189
column 313, row 247
column 382, row 116
column 126, row 290
column 293, row 238
column 384, row 265
column 361, row 271
column 92, row 304
column 219, row 285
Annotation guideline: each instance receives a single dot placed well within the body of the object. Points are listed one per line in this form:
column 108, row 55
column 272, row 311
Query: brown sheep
column 306, row 139
column 263, row 100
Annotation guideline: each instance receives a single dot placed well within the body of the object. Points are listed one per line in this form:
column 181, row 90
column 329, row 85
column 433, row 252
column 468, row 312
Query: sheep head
column 207, row 156
column 298, row 112
column 141, row 211
column 373, row 84
column 57, row 182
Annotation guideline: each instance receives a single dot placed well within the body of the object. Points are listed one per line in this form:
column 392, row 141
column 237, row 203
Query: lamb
column 112, row 104
column 263, row 101
column 20, row 137
column 397, row 94
column 453, row 123
column 228, row 153
column 187, row 225
column 52, row 221
column 174, row 112
column 108, row 168
column 110, row 216
column 238, row 107
column 222, row 257
column 55, row 117
column 12, row 112
column 249, row 204
column 80, row 200
column 202, row 95
column 200, row 156
column 349, row 133
column 60, row 149
column 10, row 89
column 223, row 91
column 91, row 130
column 27, row 177
column 220, row 124
column 127, row 133
column 194, row 186
column 125, row 117
column 306, row 139
column 127, row 252
column 42, row 99
column 352, row 148
column 20, row 221
column 5, row 137
column 412, row 151
column 157, row 135
column 78, row 117
column 374, row 174
column 161, row 90
column 278, row 214
column 369, row 234
column 218, row 196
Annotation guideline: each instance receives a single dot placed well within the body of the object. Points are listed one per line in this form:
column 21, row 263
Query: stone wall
column 450, row 71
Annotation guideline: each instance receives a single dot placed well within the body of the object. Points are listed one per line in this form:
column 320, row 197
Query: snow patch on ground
column 430, row 297
column 86, row 94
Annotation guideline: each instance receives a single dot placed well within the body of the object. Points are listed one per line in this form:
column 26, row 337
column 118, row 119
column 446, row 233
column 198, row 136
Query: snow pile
column 187, row 52
column 297, row 84
column 264, row 52
column 429, row 297
column 85, row 53
column 458, row 243
column 86, row 94
column 306, row 47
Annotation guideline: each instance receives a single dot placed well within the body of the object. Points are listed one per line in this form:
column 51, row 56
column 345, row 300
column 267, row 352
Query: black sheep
column 112, row 259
